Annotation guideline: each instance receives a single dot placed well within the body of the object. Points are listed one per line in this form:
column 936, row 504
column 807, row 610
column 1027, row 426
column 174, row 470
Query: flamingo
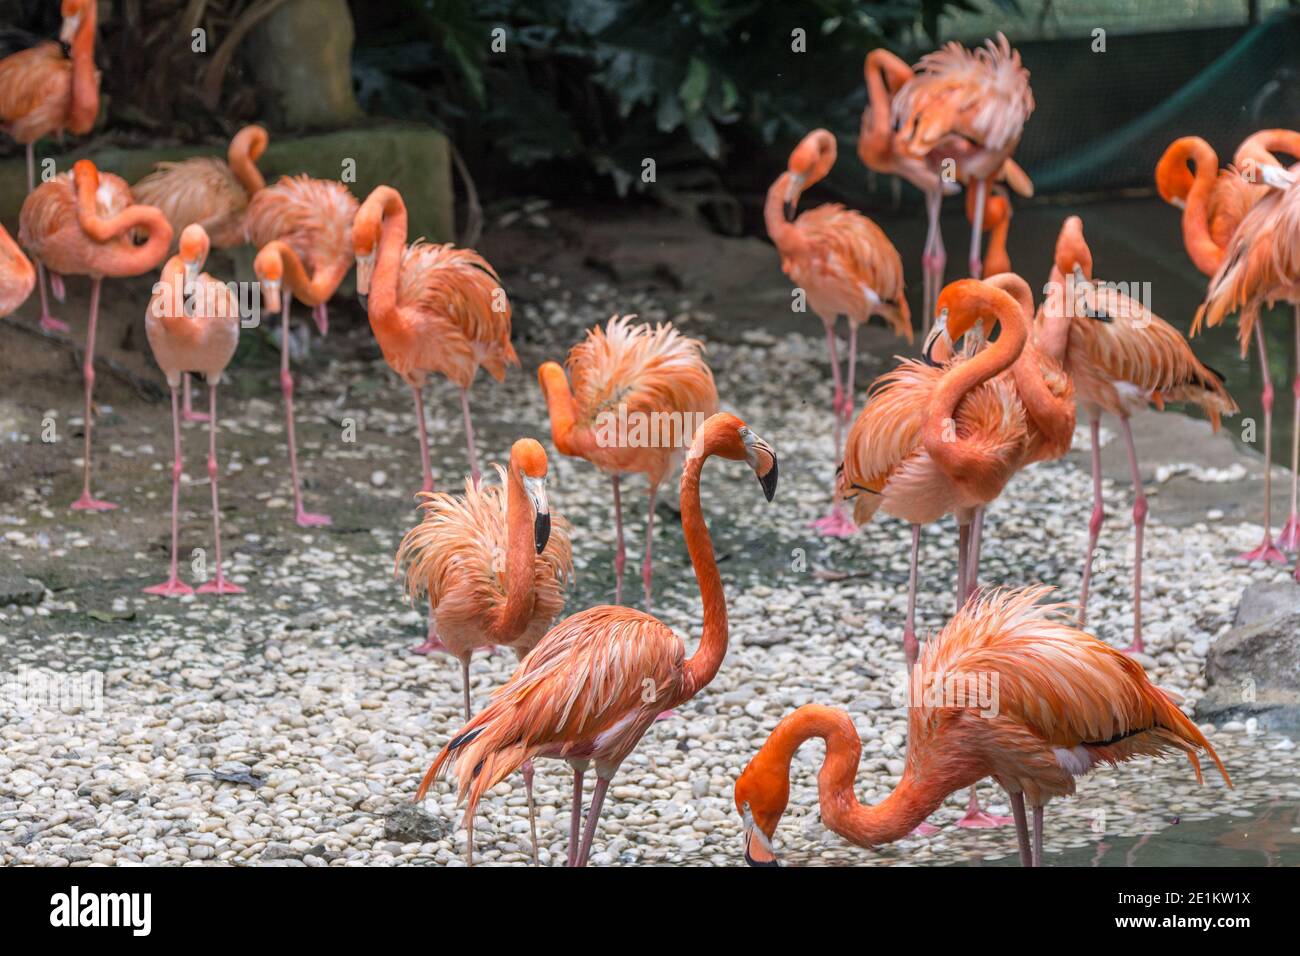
column 845, row 265
column 43, row 92
column 17, row 276
column 81, row 223
column 997, row 223
column 882, row 149
column 1121, row 357
column 433, row 308
column 595, row 683
column 193, row 325
column 302, row 228
column 1214, row 205
column 1066, row 702
column 211, row 193
column 1261, row 265
column 636, row 398
column 494, row 564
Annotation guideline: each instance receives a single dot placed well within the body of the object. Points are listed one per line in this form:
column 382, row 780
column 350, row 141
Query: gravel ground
column 290, row 725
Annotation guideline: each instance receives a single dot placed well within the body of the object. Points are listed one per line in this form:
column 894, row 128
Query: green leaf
column 695, row 85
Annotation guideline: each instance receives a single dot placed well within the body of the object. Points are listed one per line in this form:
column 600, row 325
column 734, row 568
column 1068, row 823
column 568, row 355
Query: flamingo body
column 17, row 274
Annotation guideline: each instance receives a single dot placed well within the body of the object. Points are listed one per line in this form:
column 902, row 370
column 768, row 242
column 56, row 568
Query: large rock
column 1254, row 669
column 301, row 56
column 413, row 159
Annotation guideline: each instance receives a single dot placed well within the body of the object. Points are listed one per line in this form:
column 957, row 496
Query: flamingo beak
column 68, row 32
column 535, row 488
column 939, row 329
column 758, row 848
column 271, row 294
column 792, row 196
column 762, row 458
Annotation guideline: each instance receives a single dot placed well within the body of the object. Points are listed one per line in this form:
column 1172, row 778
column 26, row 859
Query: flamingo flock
column 993, row 391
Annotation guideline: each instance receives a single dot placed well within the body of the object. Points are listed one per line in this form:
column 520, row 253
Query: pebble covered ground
column 290, row 725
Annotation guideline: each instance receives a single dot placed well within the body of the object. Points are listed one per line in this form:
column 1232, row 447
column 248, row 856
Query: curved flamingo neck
column 245, row 149
column 880, row 68
column 562, row 407
column 952, row 453
column 85, row 82
column 1196, row 214
column 388, row 257
column 310, row 290
column 121, row 259
column 783, row 233
column 520, row 557
column 704, row 663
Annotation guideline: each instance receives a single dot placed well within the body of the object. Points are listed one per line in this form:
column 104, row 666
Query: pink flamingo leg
column 305, row 519
column 424, row 438
column 1037, row 859
column 978, row 819
column 647, row 567
column 836, row 524
column 849, row 398
column 837, row 400
column 1098, row 514
column 1139, row 524
column 469, row 436
column 464, row 683
column 620, row 552
column 963, row 554
column 1022, row 828
column 48, row 322
column 173, row 586
column 933, row 260
column 1289, row 539
column 575, row 814
column 87, row 501
column 977, row 226
column 188, row 413
column 593, row 818
column 527, row 770
column 1266, row 551
column 218, row 584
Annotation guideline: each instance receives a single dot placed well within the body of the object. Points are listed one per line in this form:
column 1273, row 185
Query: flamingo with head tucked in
column 43, row 92
column 433, row 308
column 82, row 223
column 302, row 228
column 595, row 683
column 1066, row 703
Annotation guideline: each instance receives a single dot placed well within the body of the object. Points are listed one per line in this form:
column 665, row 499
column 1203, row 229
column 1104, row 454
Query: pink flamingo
column 43, row 92
column 81, row 224
column 303, row 230
column 193, row 326
column 17, row 276
column 433, row 308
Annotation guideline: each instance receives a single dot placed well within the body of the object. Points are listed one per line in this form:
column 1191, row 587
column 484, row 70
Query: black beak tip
column 542, row 531
column 768, row 481
column 362, row 299
column 789, row 208
column 925, row 353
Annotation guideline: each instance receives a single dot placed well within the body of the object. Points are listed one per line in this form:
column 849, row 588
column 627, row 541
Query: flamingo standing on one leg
column 591, row 688
column 17, row 275
column 1214, row 202
column 963, row 114
column 1261, row 265
column 494, row 563
column 302, row 228
column 433, row 308
column 82, row 224
column 845, row 265
column 1066, row 702
column 43, row 92
column 211, row 193
column 631, row 402
column 193, row 326
column 1121, row 357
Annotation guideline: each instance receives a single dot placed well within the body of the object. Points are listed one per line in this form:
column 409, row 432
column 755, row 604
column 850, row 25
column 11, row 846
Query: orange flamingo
column 1261, row 265
column 193, row 326
column 636, row 398
column 596, row 682
column 211, row 193
column 433, row 308
column 1214, row 204
column 997, row 223
column 81, row 224
column 43, row 92
column 883, row 148
column 302, row 228
column 844, row 264
column 1121, row 357
column 17, row 276
column 494, row 565
column 1065, row 703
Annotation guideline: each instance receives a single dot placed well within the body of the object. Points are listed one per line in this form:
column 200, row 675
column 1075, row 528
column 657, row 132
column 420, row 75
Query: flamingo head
column 727, row 436
column 1073, row 257
column 73, row 13
column 366, row 225
column 194, row 251
column 811, row 160
column 1174, row 178
column 761, row 795
column 269, row 268
column 528, row 461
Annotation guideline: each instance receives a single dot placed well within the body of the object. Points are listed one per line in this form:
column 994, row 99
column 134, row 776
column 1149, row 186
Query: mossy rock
column 413, row 159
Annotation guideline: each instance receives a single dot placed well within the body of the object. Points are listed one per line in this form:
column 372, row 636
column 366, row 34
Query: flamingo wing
column 35, row 92
column 202, row 190
column 313, row 216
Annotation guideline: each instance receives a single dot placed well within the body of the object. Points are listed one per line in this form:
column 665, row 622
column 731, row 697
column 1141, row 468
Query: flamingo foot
column 172, row 587
column 220, row 586
column 666, row 715
column 1266, row 551
column 924, row 829
column 835, row 525
column 1289, row 538
column 431, row 646
column 88, row 503
column 50, row 324
column 308, row 519
column 979, row 820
